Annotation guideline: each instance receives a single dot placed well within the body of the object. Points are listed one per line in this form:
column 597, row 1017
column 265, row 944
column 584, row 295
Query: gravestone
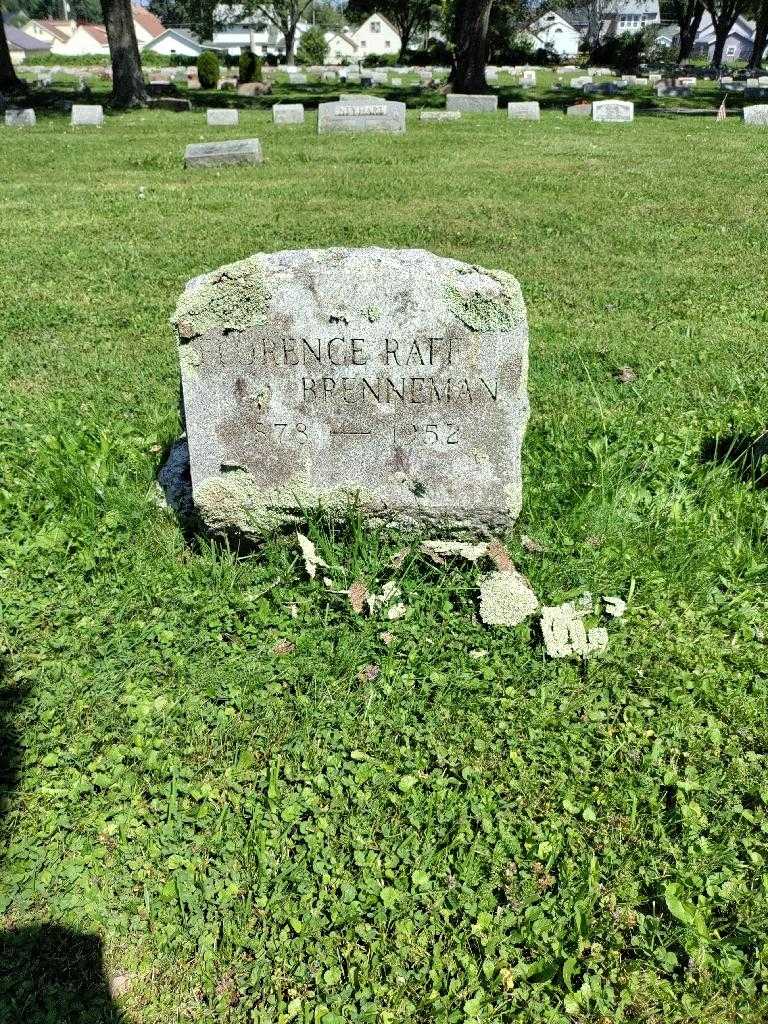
column 394, row 379
column 297, row 79
column 87, row 115
column 581, row 81
column 665, row 89
column 219, row 154
column 440, row 115
column 221, row 117
column 17, row 117
column 469, row 104
column 757, row 115
column 288, row 113
column 523, row 112
column 620, row 111
column 528, row 79
column 361, row 115
column 580, row 110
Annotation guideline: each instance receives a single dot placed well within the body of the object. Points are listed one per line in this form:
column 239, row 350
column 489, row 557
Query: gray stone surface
column 756, row 115
column 471, row 104
column 523, row 112
column 613, row 111
column 362, row 114
column 579, row 110
column 665, row 89
column 288, row 113
column 221, row 117
column 16, row 117
column 87, row 115
column 218, row 154
column 440, row 115
column 392, row 378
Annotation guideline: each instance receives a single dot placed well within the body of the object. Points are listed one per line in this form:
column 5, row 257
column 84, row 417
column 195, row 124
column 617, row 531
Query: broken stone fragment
column 454, row 548
column 614, row 606
column 506, row 598
column 564, row 632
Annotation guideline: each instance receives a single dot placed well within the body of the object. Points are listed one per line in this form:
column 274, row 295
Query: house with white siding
column 375, row 36
column 555, row 31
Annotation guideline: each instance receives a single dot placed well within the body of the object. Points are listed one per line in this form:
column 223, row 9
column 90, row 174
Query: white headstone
column 87, row 115
column 288, row 113
column 471, row 104
column 221, row 117
column 524, row 112
column 17, row 117
column 364, row 115
column 613, row 111
column 757, row 115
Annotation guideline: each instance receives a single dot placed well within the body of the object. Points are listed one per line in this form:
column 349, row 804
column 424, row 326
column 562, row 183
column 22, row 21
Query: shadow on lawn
column 747, row 455
column 48, row 974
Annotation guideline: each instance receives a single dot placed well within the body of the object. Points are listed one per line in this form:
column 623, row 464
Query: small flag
column 721, row 115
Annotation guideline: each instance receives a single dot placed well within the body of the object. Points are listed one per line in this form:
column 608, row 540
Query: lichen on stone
column 483, row 311
column 231, row 298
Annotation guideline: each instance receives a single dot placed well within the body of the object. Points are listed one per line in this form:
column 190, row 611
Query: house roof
column 381, row 17
column 62, row 30
column 97, row 32
column 341, row 35
column 577, row 17
column 19, row 40
column 148, row 21
column 621, row 8
column 184, row 34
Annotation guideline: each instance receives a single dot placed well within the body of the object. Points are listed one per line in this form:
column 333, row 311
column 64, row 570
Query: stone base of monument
column 391, row 381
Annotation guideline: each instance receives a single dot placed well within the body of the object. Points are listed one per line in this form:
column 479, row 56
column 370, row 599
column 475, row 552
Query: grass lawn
column 478, row 833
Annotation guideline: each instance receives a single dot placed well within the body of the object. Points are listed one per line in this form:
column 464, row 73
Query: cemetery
column 383, row 511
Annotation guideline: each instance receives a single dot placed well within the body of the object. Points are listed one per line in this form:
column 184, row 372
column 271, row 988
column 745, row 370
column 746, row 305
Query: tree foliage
column 313, row 48
column 285, row 15
column 197, row 15
column 724, row 14
column 208, row 69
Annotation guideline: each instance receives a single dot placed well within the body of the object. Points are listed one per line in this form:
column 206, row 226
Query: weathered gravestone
column 288, row 113
column 440, row 115
column 469, row 104
column 579, row 110
column 361, row 115
column 16, row 117
column 297, row 79
column 221, row 117
column 613, row 111
column 524, row 111
column 219, row 154
column 87, row 115
column 757, row 115
column 394, row 379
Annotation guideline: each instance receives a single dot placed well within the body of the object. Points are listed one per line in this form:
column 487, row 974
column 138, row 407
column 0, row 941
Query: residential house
column 738, row 45
column 630, row 16
column 22, row 46
column 146, row 24
column 341, row 47
column 238, row 31
column 178, row 42
column 376, row 36
column 556, row 31
column 85, row 40
column 50, row 30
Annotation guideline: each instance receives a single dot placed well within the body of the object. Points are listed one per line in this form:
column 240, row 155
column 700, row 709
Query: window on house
column 375, row 26
column 387, row 44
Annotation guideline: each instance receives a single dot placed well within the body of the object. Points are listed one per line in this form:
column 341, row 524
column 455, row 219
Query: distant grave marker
column 220, row 154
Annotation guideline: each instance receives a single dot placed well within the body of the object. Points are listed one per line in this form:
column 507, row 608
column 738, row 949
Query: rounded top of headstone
column 353, row 287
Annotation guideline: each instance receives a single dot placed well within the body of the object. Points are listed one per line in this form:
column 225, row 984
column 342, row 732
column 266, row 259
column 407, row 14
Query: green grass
column 477, row 834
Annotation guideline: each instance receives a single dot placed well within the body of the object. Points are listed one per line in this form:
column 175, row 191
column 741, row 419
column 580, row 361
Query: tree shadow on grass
column 747, row 455
column 48, row 974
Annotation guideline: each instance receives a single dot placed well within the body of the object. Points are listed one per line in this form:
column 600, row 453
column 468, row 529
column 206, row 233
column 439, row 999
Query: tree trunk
column 689, row 17
column 290, row 43
column 9, row 80
column 721, row 35
column 761, row 37
column 471, row 33
column 405, row 38
column 128, row 89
